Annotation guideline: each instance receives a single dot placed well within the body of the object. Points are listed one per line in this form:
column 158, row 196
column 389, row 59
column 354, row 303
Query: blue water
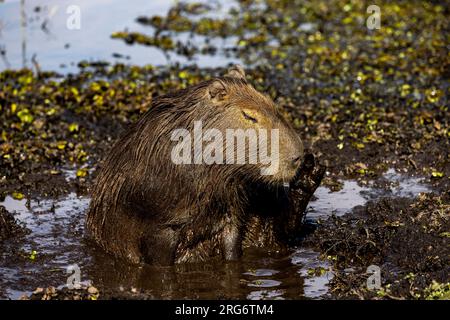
column 60, row 49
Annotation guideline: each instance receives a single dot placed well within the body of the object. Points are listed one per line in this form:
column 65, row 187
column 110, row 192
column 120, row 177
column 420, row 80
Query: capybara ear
column 236, row 71
column 217, row 90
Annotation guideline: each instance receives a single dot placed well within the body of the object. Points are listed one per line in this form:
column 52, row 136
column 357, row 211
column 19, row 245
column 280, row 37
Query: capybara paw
column 309, row 175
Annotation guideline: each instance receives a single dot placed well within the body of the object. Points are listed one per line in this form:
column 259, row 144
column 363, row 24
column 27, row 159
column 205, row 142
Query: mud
column 56, row 241
column 9, row 227
column 406, row 238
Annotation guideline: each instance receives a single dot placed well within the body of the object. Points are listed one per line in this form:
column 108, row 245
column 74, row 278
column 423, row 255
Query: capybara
column 149, row 206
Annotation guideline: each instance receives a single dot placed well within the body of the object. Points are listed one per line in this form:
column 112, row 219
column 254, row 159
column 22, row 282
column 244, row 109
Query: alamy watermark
column 374, row 20
column 73, row 21
column 74, row 280
column 238, row 146
column 374, row 280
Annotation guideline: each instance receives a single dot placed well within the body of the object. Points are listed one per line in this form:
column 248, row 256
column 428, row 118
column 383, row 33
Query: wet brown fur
column 147, row 209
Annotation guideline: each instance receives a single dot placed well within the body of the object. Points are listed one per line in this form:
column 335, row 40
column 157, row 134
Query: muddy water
column 56, row 241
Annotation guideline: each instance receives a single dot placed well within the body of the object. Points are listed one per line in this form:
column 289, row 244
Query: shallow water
column 57, row 229
column 58, row 48
column 352, row 194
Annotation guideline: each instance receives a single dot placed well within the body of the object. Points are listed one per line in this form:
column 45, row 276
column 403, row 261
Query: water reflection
column 42, row 27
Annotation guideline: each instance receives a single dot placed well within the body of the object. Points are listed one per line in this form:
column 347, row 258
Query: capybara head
column 241, row 128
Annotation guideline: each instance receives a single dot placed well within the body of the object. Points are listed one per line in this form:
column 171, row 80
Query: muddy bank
column 407, row 239
column 85, row 292
column 71, row 126
column 11, row 230
column 9, row 227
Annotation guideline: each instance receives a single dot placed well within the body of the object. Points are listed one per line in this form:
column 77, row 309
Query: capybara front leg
column 306, row 182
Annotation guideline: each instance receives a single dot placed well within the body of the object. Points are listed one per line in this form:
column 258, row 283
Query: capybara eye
column 248, row 117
